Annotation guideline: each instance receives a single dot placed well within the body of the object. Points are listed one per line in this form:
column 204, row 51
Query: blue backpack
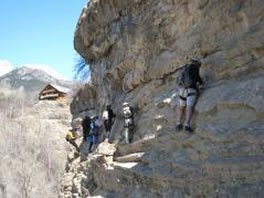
column 94, row 128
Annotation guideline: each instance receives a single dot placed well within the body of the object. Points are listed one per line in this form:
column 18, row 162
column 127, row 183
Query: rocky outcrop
column 134, row 49
column 134, row 42
column 84, row 100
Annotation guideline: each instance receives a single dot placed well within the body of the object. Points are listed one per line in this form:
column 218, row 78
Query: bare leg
column 180, row 110
column 188, row 115
column 188, row 118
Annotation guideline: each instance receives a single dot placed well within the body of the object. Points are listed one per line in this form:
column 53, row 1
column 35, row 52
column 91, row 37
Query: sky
column 39, row 34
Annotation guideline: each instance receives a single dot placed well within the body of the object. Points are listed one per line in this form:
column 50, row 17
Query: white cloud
column 5, row 67
column 48, row 69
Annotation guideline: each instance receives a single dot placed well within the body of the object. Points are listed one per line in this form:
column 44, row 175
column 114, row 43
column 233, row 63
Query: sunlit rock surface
column 134, row 48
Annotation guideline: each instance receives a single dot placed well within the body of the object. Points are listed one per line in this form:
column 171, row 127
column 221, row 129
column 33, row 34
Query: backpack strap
column 182, row 98
column 191, row 94
column 188, row 94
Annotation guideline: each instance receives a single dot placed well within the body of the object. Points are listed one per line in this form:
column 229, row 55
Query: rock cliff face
column 134, row 48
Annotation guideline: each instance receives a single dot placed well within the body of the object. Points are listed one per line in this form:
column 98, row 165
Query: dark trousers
column 72, row 142
column 86, row 132
column 92, row 139
column 108, row 127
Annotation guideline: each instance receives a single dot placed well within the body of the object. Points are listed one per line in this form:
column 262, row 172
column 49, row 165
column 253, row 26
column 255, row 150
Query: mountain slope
column 29, row 78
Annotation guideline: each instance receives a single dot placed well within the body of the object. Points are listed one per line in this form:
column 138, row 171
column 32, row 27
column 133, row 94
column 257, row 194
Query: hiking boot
column 188, row 129
column 178, row 127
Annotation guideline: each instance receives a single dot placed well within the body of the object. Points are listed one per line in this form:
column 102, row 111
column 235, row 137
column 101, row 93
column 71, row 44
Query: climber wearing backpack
column 108, row 118
column 129, row 125
column 86, row 125
column 189, row 82
column 94, row 132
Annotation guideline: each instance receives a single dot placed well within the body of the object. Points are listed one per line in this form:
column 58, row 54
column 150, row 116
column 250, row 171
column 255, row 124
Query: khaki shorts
column 187, row 97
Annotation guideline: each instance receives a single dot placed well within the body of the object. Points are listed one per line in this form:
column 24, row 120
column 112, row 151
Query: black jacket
column 86, row 125
column 111, row 115
column 195, row 76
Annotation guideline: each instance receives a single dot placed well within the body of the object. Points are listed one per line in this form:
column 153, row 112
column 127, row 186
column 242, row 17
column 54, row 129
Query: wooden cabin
column 53, row 92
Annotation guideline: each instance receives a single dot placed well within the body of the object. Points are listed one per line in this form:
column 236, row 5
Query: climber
column 86, row 125
column 109, row 119
column 71, row 137
column 129, row 125
column 190, row 83
column 94, row 132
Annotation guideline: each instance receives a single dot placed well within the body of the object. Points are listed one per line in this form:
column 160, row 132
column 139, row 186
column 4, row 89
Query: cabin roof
column 58, row 88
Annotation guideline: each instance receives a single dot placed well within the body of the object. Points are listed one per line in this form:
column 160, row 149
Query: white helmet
column 125, row 104
column 196, row 61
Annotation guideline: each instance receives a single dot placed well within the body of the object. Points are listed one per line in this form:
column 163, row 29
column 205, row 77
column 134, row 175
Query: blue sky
column 35, row 32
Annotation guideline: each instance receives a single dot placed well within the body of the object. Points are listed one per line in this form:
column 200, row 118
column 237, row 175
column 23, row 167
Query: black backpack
column 184, row 79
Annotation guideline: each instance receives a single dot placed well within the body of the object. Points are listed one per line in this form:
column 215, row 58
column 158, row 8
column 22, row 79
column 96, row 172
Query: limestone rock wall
column 134, row 42
column 83, row 101
column 134, row 48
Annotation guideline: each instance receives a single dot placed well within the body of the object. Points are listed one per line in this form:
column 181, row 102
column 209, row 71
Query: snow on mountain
column 5, row 67
column 31, row 79
column 46, row 68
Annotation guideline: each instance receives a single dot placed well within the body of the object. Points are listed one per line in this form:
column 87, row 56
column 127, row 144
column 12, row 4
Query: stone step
column 126, row 165
column 134, row 147
column 134, row 157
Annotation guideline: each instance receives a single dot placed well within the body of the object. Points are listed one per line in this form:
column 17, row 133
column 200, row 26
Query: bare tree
column 81, row 70
column 28, row 166
column 26, row 179
column 2, row 187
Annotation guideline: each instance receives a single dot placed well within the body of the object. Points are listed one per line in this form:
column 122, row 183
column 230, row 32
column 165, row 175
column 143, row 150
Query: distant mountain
column 29, row 79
